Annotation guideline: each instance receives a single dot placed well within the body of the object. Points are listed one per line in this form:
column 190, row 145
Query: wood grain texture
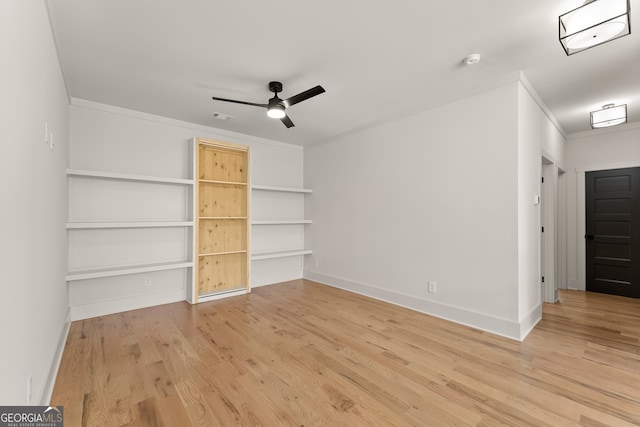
column 222, row 200
column 221, row 235
column 221, row 273
column 222, row 244
column 304, row 354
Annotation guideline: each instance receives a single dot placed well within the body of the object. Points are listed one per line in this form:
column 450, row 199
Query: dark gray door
column 613, row 231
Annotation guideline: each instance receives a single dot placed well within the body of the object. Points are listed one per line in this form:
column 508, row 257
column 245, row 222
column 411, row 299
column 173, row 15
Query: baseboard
column 222, row 295
column 45, row 399
column 270, row 279
column 494, row 325
column 530, row 321
column 574, row 284
column 103, row 308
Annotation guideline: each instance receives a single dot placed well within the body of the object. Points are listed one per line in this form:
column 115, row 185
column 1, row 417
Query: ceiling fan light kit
column 610, row 115
column 594, row 23
column 276, row 107
column 276, row 111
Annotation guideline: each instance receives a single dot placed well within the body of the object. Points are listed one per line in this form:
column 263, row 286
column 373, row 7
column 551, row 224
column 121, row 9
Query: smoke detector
column 472, row 59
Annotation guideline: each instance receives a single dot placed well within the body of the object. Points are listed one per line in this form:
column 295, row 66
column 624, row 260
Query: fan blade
column 304, row 95
column 287, row 122
column 239, row 102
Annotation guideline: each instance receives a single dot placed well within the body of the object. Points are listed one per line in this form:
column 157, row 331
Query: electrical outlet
column 147, row 282
column 29, row 389
column 432, row 288
column 51, row 141
column 317, row 262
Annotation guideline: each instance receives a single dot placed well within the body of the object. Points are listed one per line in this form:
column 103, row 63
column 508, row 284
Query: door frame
column 552, row 241
column 581, row 220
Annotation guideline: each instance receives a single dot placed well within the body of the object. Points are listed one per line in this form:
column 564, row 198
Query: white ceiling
column 377, row 60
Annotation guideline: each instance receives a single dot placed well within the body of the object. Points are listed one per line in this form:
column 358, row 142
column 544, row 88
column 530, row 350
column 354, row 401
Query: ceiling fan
column 276, row 107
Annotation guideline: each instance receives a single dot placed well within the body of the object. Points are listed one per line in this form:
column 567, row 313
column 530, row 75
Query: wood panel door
column 613, row 231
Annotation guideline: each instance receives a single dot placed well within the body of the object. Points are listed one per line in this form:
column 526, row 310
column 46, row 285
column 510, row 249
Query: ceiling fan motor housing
column 275, row 87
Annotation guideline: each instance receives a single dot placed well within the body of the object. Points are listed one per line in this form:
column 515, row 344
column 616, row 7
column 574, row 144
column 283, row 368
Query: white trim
column 495, row 325
column 529, row 87
column 612, row 129
column 45, row 399
column 103, row 308
column 222, row 295
column 219, row 133
column 548, row 239
column 530, row 321
column 561, row 232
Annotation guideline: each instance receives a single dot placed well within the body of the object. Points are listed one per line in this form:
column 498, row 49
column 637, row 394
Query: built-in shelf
column 121, row 271
column 285, row 222
column 221, row 210
column 127, row 177
column 283, row 189
column 222, row 217
column 213, row 181
column 223, row 253
column 279, row 254
column 123, row 224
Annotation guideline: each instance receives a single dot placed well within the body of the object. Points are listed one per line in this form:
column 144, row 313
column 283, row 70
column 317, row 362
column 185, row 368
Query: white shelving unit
column 282, row 222
column 282, row 189
column 116, row 224
column 86, row 225
column 122, row 271
column 127, row 177
column 130, row 240
column 257, row 256
column 278, row 233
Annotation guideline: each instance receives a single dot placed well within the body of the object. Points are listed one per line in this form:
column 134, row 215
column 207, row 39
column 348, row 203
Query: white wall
column 33, row 257
column 445, row 196
column 111, row 139
column 617, row 147
column 537, row 137
column 432, row 197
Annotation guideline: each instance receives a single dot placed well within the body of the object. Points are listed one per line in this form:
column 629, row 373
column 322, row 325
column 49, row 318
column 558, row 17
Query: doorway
column 612, row 207
column 552, row 231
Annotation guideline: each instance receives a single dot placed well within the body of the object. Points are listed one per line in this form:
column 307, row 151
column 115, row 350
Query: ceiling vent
column 220, row 116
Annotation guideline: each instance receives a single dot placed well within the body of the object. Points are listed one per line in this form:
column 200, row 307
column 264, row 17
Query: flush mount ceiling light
column 593, row 23
column 610, row 115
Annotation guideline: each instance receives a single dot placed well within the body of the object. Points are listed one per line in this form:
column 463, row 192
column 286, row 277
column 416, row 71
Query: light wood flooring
column 304, row 354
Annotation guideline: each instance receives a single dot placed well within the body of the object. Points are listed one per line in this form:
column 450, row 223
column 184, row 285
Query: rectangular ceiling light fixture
column 610, row 115
column 594, row 23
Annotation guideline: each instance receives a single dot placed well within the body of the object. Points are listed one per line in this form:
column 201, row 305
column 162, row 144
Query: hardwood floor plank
column 304, row 354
